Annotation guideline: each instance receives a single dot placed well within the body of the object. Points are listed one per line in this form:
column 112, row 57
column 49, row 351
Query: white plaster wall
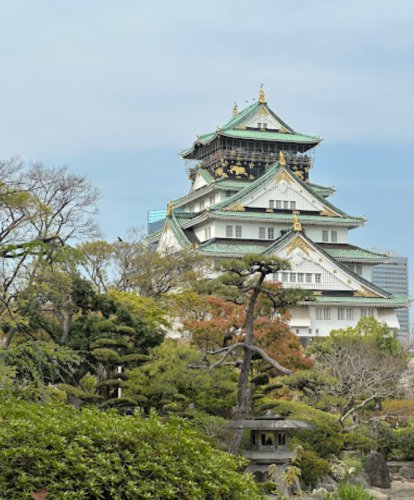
column 315, row 233
column 199, row 182
column 322, row 328
column 200, row 233
column 284, row 191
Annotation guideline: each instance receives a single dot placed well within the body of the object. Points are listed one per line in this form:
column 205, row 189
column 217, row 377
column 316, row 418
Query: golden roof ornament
column 235, row 110
column 297, row 226
column 262, row 97
column 282, row 159
column 170, row 207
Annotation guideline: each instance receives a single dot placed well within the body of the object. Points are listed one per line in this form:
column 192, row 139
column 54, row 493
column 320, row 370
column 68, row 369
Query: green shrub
column 313, row 467
column 350, row 492
column 325, row 438
column 359, row 442
column 101, row 454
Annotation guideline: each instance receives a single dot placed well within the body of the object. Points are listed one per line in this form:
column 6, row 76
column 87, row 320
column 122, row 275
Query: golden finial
column 297, row 226
column 282, row 159
column 235, row 110
column 262, row 97
column 170, row 207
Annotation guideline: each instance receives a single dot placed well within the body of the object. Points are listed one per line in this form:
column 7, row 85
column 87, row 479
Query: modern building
column 393, row 277
column 251, row 192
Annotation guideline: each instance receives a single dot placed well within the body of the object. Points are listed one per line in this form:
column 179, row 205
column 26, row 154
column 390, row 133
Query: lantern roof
column 269, row 422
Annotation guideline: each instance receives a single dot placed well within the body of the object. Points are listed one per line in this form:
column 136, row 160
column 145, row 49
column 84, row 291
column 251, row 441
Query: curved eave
column 262, row 135
column 394, row 302
column 317, row 220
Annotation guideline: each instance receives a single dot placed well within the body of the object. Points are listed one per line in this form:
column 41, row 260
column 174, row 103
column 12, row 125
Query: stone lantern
column 269, row 437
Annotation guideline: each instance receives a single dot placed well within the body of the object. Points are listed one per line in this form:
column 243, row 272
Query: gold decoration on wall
column 237, row 208
column 283, row 176
column 329, row 213
column 298, row 242
column 269, row 210
column 219, row 172
column 299, row 174
column 282, row 159
column 263, row 112
column 365, row 293
column 235, row 110
column 238, row 170
column 262, row 97
column 297, row 226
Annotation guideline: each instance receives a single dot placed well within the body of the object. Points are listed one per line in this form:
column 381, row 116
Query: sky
column 115, row 89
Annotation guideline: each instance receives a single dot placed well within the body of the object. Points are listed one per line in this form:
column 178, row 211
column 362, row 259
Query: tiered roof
column 239, row 207
column 236, row 129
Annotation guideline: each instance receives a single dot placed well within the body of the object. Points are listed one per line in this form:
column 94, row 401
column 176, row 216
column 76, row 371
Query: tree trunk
column 243, row 408
column 9, row 337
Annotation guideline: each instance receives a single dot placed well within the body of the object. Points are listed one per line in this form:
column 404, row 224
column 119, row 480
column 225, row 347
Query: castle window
column 317, row 278
column 325, row 235
column 278, row 204
column 323, row 313
column 270, row 233
column 262, row 233
column 293, row 205
column 285, row 277
column 285, row 205
column 293, row 277
column 238, row 231
column 308, row 278
column 300, row 277
column 334, row 236
column 367, row 312
column 349, row 313
column 341, row 313
column 229, row 231
column 271, row 203
column 202, row 205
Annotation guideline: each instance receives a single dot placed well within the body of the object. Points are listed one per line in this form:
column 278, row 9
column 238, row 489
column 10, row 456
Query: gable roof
column 272, row 172
column 235, row 128
column 291, row 235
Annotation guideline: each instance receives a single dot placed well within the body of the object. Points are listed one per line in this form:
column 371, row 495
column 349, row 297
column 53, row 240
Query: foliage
column 350, row 492
column 325, row 438
column 96, row 454
column 145, row 307
column 168, row 379
column 363, row 364
column 372, row 331
column 35, row 365
column 313, row 467
column 397, row 411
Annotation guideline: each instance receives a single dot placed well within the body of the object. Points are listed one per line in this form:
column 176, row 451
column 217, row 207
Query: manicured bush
column 325, row 438
column 100, row 454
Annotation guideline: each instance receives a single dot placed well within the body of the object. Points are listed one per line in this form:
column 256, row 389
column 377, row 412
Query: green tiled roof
column 359, row 279
column 393, row 301
column 323, row 191
column 355, row 254
column 268, row 175
column 232, row 129
column 206, row 175
column 177, row 231
column 233, row 184
column 269, row 135
column 286, row 218
column 230, row 249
